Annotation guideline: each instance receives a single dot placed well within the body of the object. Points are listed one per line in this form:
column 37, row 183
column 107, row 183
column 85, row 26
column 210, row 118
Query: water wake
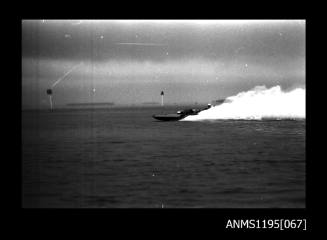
column 258, row 104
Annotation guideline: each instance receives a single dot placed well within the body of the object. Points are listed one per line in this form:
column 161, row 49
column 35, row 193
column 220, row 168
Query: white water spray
column 258, row 103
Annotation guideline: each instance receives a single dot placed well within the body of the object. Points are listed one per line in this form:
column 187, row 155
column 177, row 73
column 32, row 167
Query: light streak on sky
column 69, row 71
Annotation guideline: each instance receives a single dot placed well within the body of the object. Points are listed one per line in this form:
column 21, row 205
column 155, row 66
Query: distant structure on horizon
column 49, row 92
column 162, row 96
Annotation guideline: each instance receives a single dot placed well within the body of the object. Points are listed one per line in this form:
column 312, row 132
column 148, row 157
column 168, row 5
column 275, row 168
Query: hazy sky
column 125, row 61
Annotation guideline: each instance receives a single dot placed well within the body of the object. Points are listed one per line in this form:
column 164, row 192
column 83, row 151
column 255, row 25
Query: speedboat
column 179, row 115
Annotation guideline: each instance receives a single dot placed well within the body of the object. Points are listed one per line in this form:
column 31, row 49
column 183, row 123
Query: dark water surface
column 122, row 157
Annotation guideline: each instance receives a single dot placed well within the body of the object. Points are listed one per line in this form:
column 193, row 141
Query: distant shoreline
column 91, row 104
column 108, row 106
